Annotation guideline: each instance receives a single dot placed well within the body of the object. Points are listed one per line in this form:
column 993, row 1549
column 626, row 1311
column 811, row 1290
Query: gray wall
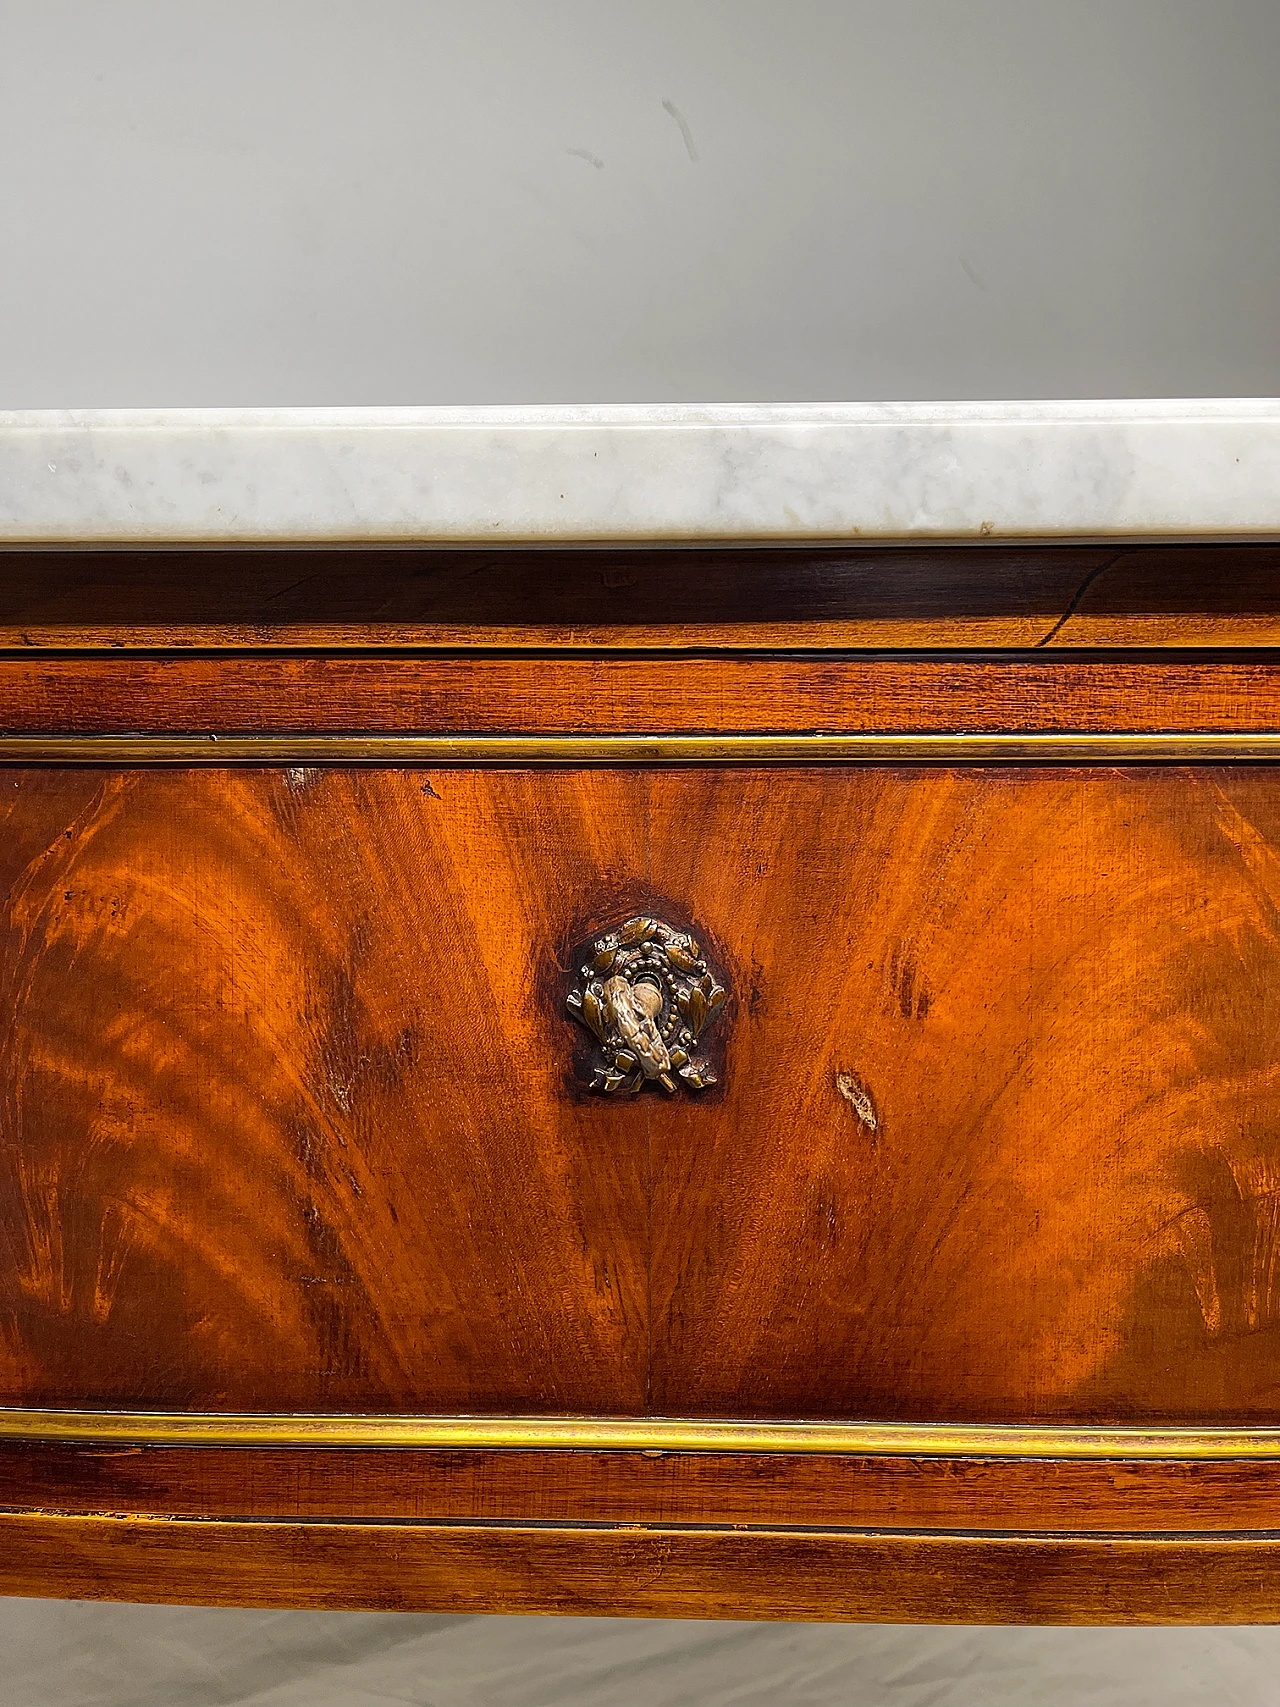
column 435, row 201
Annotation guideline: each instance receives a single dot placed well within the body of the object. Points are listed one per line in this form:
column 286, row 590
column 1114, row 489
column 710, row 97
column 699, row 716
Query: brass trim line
column 594, row 750
column 626, row 1434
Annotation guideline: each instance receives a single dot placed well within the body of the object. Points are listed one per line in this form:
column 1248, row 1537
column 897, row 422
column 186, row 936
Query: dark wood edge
column 684, row 1489
column 639, row 1572
column 1012, row 594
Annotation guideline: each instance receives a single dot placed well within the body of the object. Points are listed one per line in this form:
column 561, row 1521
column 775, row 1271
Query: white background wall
column 413, row 201
column 436, row 201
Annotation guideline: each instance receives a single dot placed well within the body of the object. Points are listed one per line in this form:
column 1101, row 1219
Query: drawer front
column 296, row 1116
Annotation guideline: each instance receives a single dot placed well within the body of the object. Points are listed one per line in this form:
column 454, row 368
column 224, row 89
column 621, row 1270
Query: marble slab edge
column 854, row 473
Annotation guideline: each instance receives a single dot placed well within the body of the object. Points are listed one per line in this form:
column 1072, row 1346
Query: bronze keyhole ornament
column 647, row 994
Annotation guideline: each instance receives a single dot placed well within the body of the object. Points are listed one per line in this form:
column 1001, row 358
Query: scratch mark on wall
column 671, row 108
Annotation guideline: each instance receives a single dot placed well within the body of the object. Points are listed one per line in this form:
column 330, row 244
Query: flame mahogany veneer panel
column 284, row 1120
column 291, row 1115
column 289, row 1118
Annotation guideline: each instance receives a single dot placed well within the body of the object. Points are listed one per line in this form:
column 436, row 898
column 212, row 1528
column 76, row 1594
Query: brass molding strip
column 625, row 1434
column 525, row 750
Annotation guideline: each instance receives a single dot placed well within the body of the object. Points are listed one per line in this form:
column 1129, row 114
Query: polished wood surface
column 509, row 693
column 766, row 1489
column 292, row 1123
column 1023, row 596
column 292, row 1116
column 648, row 1573
column 286, row 1122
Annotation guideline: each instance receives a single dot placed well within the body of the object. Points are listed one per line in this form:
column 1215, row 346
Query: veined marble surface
column 871, row 472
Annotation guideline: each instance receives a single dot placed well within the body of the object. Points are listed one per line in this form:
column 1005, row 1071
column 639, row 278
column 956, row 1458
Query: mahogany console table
column 658, row 1011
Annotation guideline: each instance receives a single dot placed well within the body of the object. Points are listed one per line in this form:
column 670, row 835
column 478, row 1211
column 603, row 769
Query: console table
column 667, row 1011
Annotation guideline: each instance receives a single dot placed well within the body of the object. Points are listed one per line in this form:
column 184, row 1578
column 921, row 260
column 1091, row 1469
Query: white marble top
column 864, row 471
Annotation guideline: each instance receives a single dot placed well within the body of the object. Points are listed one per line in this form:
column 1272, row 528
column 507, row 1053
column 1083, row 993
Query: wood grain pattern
column 649, row 1573
column 283, row 1117
column 288, row 1119
column 799, row 596
column 256, row 693
column 1049, row 1187
column 691, row 1488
